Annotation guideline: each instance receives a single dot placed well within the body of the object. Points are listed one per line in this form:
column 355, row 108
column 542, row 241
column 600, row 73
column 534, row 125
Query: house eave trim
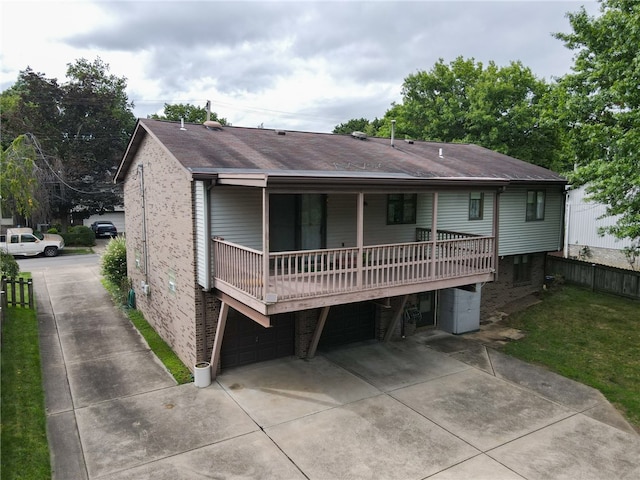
column 274, row 179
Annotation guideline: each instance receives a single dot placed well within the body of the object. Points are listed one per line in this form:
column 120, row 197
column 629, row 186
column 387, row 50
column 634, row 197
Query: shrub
column 80, row 236
column 114, row 261
column 52, row 230
column 8, row 265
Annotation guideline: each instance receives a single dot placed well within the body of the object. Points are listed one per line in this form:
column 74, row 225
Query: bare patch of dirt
column 493, row 330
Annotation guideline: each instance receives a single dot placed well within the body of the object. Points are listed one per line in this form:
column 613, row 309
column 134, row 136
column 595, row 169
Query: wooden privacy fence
column 17, row 292
column 600, row 278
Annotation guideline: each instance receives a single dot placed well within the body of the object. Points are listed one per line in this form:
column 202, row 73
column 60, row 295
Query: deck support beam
column 217, row 340
column 396, row 316
column 318, row 332
column 247, row 311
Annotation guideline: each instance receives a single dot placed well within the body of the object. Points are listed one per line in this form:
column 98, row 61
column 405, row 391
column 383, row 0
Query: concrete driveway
column 430, row 406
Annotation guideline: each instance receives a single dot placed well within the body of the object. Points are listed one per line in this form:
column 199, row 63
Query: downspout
column 207, row 231
column 567, row 224
column 207, row 254
column 145, row 250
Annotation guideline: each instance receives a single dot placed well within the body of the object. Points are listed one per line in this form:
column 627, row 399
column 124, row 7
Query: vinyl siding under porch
column 236, row 216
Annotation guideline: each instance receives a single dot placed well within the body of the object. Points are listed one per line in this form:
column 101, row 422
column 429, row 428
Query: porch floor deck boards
column 326, row 283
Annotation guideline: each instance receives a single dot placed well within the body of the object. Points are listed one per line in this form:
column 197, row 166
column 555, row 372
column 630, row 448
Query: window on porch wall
column 401, row 208
column 535, row 205
column 476, row 205
column 521, row 269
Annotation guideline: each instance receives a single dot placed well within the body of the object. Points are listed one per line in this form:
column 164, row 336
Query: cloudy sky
column 296, row 65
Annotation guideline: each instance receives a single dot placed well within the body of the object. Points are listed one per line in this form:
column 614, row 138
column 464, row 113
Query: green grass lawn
column 589, row 337
column 25, row 451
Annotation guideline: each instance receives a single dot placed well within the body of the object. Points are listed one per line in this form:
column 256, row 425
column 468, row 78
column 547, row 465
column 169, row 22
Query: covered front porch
column 289, row 281
column 355, row 260
column 308, row 249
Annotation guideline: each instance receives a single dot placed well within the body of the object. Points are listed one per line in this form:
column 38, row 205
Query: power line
column 55, row 174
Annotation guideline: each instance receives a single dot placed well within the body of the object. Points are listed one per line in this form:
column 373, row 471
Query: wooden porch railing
column 307, row 273
column 424, row 235
column 238, row 266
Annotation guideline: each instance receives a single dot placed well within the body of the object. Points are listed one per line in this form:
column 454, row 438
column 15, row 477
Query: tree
column 18, row 178
column 80, row 130
column 187, row 112
column 602, row 109
column 97, row 122
column 31, row 105
column 8, row 265
column 501, row 108
column 353, row 125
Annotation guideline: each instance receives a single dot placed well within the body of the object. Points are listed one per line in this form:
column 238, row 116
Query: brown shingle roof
column 201, row 150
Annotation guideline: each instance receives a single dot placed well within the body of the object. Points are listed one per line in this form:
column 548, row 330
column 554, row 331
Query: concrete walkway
column 432, row 406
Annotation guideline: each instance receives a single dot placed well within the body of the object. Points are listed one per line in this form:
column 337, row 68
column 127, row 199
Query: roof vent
column 440, row 153
column 212, row 125
column 281, row 132
column 409, row 141
column 359, row 135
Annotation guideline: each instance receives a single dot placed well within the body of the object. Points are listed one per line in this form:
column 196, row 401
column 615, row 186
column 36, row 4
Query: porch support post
column 434, row 234
column 318, row 332
column 217, row 340
column 265, row 243
column 360, row 237
column 495, row 230
column 396, row 316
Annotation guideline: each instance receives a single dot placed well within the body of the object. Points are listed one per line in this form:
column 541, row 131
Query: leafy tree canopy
column 187, row 112
column 501, row 108
column 18, row 178
column 80, row 129
column 359, row 125
column 602, row 109
column 353, row 125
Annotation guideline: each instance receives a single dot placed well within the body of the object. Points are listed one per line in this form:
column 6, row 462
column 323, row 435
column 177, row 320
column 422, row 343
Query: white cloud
column 297, row 65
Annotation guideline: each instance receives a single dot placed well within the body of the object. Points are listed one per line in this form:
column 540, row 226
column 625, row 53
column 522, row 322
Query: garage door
column 245, row 341
column 352, row 322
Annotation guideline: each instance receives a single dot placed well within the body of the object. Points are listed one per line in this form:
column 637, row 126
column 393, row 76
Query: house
column 245, row 244
column 584, row 219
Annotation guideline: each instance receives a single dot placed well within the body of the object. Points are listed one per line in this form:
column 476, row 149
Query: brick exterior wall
column 384, row 317
column 305, row 325
column 170, row 249
column 497, row 294
column 207, row 313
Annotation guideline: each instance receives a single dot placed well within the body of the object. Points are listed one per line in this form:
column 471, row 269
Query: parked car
column 104, row 228
column 24, row 241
